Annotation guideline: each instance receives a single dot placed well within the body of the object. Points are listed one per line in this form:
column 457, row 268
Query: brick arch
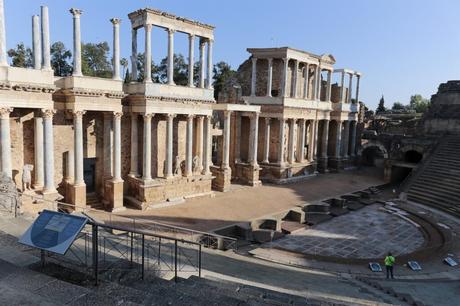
column 371, row 144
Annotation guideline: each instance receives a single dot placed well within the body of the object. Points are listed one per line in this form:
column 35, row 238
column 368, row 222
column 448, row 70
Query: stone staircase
column 438, row 182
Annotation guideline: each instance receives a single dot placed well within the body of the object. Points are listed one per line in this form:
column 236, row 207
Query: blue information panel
column 53, row 231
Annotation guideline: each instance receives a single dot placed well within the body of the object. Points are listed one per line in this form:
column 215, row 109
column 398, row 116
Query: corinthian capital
column 75, row 12
column 5, row 112
column 48, row 113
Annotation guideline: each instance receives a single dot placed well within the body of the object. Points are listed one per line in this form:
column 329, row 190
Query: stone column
column 191, row 58
column 3, row 54
column 318, row 83
column 301, row 145
column 285, row 77
column 270, row 77
column 282, row 130
column 202, row 67
column 117, row 146
column 238, row 137
column 134, row 146
column 108, row 146
column 116, row 48
column 36, row 42
column 324, row 139
column 267, row 141
column 148, row 54
column 76, row 42
column 358, row 77
column 350, row 88
column 253, row 139
column 5, row 137
column 294, row 82
column 315, row 139
column 134, row 55
column 207, row 145
column 329, row 86
column 306, row 84
column 342, row 89
column 169, row 146
column 345, row 139
column 171, row 56
column 226, row 142
column 38, row 150
column 199, row 142
column 210, row 45
column 49, row 150
column 189, row 146
column 78, row 147
column 46, row 48
column 70, row 167
column 338, row 139
column 254, row 77
column 291, row 154
column 353, row 139
column 147, row 152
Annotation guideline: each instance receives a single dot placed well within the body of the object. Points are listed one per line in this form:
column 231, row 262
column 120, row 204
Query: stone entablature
column 326, row 60
column 155, row 90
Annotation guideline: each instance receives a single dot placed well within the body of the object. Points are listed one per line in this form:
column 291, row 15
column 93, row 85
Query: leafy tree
column 21, row 56
column 222, row 72
column 180, row 70
column 124, row 63
column 398, row 106
column 419, row 104
column 60, row 59
column 381, row 107
column 140, row 69
column 95, row 60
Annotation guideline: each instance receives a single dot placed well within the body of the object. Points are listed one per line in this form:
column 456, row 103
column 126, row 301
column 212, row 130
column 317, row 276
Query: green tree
column 222, row 72
column 381, row 107
column 180, row 73
column 21, row 56
column 398, row 106
column 419, row 104
column 60, row 59
column 140, row 69
column 95, row 60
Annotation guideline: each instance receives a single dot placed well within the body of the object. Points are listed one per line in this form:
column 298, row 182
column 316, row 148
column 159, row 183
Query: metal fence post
column 143, row 258
column 199, row 261
column 95, row 253
column 175, row 261
column 159, row 250
column 132, row 234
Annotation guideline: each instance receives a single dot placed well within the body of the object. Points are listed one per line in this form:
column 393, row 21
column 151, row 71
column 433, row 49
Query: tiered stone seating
column 438, row 184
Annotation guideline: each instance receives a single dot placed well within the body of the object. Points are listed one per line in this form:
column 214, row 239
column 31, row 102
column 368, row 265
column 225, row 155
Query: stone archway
column 413, row 153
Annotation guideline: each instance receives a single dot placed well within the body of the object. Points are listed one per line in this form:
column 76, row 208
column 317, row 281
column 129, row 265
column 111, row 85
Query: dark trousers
column 389, row 271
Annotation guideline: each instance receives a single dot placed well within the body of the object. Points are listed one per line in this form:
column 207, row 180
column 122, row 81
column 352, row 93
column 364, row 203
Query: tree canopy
column 419, row 104
column 95, row 60
column 398, row 106
column 381, row 107
column 21, row 56
column 60, row 59
column 222, row 73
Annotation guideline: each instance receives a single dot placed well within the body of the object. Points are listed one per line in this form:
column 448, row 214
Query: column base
column 335, row 164
column 248, row 174
column 222, row 180
column 78, row 197
column 322, row 165
column 113, row 196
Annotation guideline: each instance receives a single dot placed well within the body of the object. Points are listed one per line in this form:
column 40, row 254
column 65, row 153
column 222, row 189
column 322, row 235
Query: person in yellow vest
column 389, row 262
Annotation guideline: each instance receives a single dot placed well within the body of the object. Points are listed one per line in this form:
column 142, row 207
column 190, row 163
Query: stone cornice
column 170, row 16
column 27, row 87
column 179, row 100
column 82, row 92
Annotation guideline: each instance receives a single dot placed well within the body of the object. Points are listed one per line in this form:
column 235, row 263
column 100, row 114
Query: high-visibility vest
column 389, row 260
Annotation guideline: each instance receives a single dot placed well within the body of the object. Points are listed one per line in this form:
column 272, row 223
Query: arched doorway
column 372, row 156
column 413, row 157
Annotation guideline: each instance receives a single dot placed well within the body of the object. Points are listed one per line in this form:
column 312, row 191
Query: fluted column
column 350, row 88
column 5, row 139
column 134, row 146
column 171, row 56
column 48, row 150
column 207, row 145
column 345, row 137
column 191, row 58
column 202, row 67
column 338, row 139
column 353, row 139
column 342, row 88
column 117, row 146
column 76, row 42
column 285, row 77
column 306, row 83
column 282, row 130
column 134, row 55
column 329, row 86
column 226, row 144
column 210, row 48
column 189, row 147
column 324, row 139
column 294, row 79
column 169, row 145
column 78, row 147
column 147, row 152
column 148, row 54
column 3, row 54
column 36, row 42
column 38, row 150
column 301, row 146
column 270, row 77
column 254, row 76
column 291, row 153
column 116, row 48
column 267, row 141
column 253, row 139
column 199, row 141
column 46, row 47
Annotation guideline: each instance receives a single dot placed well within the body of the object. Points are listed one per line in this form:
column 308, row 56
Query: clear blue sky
column 401, row 46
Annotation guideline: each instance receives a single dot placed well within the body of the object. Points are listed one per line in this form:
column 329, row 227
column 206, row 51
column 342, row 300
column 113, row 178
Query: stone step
column 420, row 199
column 433, row 199
column 438, row 191
column 454, row 182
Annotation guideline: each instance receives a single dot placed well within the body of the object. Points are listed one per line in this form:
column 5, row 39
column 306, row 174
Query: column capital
column 267, row 120
column 189, row 116
column 78, row 114
column 117, row 115
column 115, row 21
column 254, row 60
column 76, row 12
column 270, row 60
column 254, row 115
column 48, row 113
column 5, row 112
column 148, row 116
column 148, row 27
column 170, row 31
column 227, row 112
column 191, row 36
column 171, row 116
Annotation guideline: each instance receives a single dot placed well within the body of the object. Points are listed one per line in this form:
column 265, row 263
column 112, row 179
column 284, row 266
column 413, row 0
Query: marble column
column 48, row 150
column 202, row 67
column 342, row 87
column 294, row 79
column 134, row 171
column 254, row 77
column 207, row 145
column 171, row 56
column 350, row 88
column 70, row 167
column 267, row 141
column 358, row 77
column 306, row 83
column 45, row 44
column 169, row 145
column 210, row 67
column 147, row 152
column 291, row 154
column 285, row 77
column 318, row 83
column 353, row 139
column 329, row 86
column 36, row 42
column 38, row 150
column 189, row 146
column 238, row 137
column 199, row 141
column 253, row 139
column 282, row 130
column 191, row 58
column 226, row 141
column 76, row 42
column 301, row 143
column 270, row 77
column 324, row 139
column 5, row 139
column 338, row 139
column 315, row 139
column 116, row 48
column 148, row 54
column 134, row 55
column 345, row 139
column 108, row 146
column 117, row 146
column 78, row 147
column 3, row 54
